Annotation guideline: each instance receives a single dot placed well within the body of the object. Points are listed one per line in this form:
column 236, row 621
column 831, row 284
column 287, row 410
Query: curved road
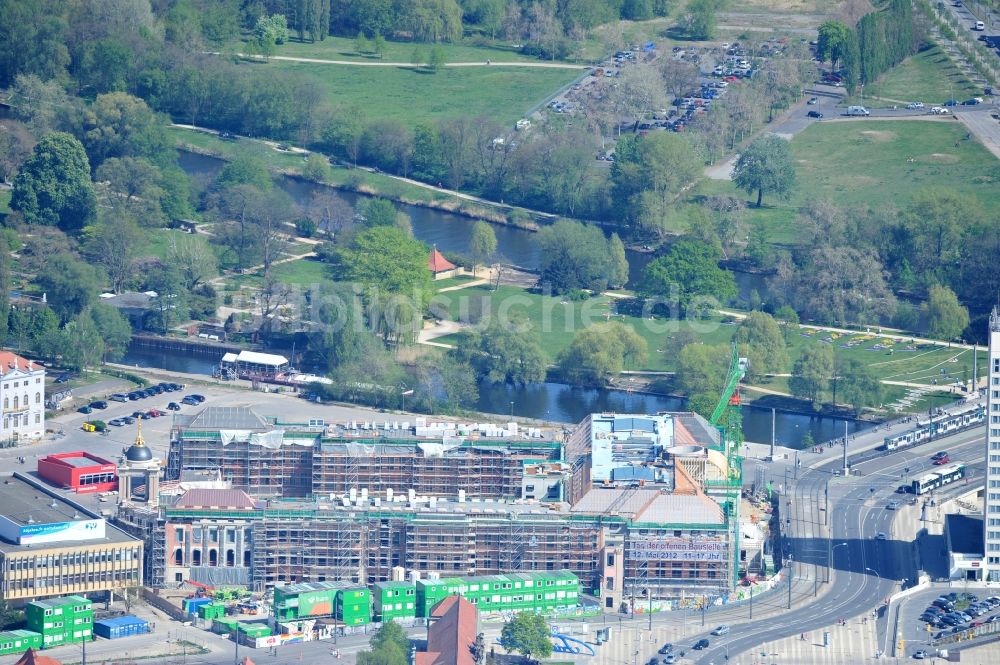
column 866, row 570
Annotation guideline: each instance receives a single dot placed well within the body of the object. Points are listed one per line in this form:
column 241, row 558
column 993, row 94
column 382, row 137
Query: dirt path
column 410, row 65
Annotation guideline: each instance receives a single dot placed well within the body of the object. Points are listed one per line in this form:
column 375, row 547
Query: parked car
column 118, row 397
column 814, row 114
column 128, row 420
column 951, row 102
column 86, row 408
column 665, row 649
column 200, row 398
column 813, row 100
column 173, row 406
column 881, row 536
column 937, row 110
column 920, row 655
column 117, row 422
column 190, row 401
column 971, row 102
column 99, row 404
column 915, row 105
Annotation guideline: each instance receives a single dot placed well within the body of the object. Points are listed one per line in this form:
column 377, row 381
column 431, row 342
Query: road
column 865, row 570
column 968, row 19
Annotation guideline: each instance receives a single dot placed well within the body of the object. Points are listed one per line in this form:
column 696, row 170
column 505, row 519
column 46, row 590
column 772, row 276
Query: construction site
column 644, row 509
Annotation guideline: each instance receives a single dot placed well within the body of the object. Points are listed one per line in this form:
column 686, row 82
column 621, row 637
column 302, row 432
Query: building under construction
column 266, row 457
column 626, row 544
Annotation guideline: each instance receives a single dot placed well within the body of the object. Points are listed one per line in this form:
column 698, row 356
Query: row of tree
column 878, row 42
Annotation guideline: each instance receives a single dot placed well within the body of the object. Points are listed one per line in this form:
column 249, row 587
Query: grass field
column 414, row 96
column 928, row 77
column 877, row 163
column 342, row 48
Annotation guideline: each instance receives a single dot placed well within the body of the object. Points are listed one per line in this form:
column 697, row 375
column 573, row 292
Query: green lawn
column 342, row 48
column 876, row 163
column 415, row 96
column 928, row 77
column 453, row 281
column 303, row 272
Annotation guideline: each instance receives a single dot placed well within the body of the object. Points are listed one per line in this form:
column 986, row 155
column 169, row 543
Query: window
column 38, row 398
column 611, row 559
column 179, row 534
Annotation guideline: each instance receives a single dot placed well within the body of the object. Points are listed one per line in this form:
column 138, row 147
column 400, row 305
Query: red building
column 79, row 471
column 450, row 639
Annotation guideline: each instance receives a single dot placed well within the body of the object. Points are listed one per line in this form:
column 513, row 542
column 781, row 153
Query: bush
column 305, row 227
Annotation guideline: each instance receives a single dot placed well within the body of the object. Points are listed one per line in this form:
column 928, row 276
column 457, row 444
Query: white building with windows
column 22, row 394
column 991, row 500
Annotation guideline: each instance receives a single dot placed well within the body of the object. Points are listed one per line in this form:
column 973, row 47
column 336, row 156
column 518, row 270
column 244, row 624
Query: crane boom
column 737, row 370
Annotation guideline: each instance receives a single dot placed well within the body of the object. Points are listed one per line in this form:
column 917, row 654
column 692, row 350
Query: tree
column 70, row 285
column 131, row 185
column 841, row 285
column 389, row 646
column 575, row 256
column 482, row 243
column 766, row 164
column 833, row 42
column 812, row 372
column 273, row 29
column 618, row 275
column 637, row 93
column 763, row 345
column 447, row 382
column 688, row 270
column 169, row 307
column 193, row 259
column 113, row 245
column 528, row 634
column 699, row 20
column 247, row 168
column 361, row 43
column 317, row 168
column 436, row 59
column 379, row 212
column 502, row 353
column 114, row 329
column 120, row 125
column 945, row 317
column 391, row 269
column 934, row 221
column 15, row 147
column 701, row 373
column 378, row 45
column 53, row 186
column 858, row 385
column 600, row 351
column 649, row 174
column 82, row 346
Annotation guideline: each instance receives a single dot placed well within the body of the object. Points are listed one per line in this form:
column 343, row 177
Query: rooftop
column 10, row 361
column 78, row 459
column 27, row 505
column 451, row 636
column 223, row 418
column 223, row 499
column 650, row 505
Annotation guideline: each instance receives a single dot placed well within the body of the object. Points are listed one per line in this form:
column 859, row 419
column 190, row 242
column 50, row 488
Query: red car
column 730, row 79
column 942, row 460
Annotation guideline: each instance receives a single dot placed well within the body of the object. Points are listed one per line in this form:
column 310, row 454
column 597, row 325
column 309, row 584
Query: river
column 451, row 233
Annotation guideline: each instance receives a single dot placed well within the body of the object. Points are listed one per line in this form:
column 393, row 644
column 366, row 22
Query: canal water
column 451, row 233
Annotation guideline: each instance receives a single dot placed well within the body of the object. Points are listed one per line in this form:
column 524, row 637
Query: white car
column 892, row 505
column 915, row 105
column 937, row 110
column 721, row 630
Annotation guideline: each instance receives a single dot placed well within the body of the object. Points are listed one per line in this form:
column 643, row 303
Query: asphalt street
column 865, row 570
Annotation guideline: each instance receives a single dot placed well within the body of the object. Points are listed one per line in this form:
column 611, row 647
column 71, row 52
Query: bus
column 936, row 479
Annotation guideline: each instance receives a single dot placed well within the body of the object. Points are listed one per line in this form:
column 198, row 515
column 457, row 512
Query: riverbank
column 289, row 162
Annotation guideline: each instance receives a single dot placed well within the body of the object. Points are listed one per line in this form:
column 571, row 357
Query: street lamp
column 829, row 559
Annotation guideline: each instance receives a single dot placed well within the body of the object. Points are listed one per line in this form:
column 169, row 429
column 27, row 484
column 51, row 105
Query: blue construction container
column 120, row 627
column 191, row 605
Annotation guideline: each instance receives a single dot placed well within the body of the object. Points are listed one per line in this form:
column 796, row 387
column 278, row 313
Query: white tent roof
column 229, row 358
column 261, row 358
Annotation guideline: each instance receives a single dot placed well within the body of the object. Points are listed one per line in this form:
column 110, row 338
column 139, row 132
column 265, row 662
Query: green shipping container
column 18, row 641
column 254, row 629
column 213, row 611
column 223, row 626
column 354, row 606
column 394, row 600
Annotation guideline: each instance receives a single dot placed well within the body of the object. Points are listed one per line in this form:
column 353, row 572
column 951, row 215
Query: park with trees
column 99, row 204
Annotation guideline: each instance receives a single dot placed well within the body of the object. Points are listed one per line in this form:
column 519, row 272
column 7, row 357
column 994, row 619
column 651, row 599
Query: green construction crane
column 726, row 415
